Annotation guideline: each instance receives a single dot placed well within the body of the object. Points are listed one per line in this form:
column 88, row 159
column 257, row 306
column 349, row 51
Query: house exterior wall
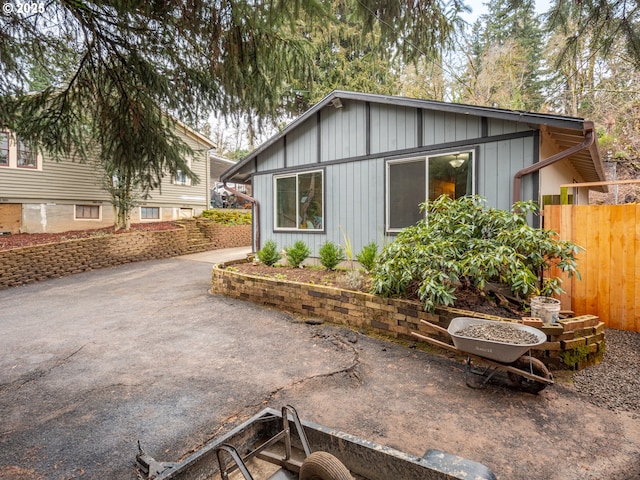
column 557, row 174
column 49, row 195
column 354, row 164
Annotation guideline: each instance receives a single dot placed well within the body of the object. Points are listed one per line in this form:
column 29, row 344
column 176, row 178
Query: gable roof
column 565, row 131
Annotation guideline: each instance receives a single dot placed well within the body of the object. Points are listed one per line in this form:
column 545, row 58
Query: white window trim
column 275, row 202
column 149, row 219
column 187, row 180
column 99, row 219
column 13, row 156
column 425, row 158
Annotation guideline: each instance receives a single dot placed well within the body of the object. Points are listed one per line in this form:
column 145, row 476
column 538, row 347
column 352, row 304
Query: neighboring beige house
column 38, row 194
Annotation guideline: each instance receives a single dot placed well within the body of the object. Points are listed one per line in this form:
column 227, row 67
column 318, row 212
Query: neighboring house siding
column 185, row 195
column 63, row 180
column 48, row 196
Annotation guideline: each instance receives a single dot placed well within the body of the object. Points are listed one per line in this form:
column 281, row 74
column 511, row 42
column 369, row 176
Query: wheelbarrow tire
column 323, row 466
column 529, row 365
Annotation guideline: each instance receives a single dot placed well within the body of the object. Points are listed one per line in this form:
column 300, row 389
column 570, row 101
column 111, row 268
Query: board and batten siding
column 496, row 165
column 354, row 178
column 352, row 206
column 441, row 127
column 343, row 131
column 393, row 128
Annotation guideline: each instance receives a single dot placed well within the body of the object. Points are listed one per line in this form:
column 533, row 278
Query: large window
column 299, row 201
column 411, row 182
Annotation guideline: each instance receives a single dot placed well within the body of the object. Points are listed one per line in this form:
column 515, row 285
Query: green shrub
column 297, row 254
column 331, row 255
column 367, row 256
column 269, row 254
column 228, row 217
column 463, row 241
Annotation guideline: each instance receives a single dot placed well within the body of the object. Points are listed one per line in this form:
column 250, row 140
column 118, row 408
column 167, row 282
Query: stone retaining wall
column 226, row 236
column 572, row 343
column 31, row 264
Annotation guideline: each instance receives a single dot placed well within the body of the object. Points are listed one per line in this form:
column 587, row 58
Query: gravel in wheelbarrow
column 500, row 341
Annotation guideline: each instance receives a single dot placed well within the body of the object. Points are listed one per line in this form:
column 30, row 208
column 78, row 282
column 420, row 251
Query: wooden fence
column 610, row 264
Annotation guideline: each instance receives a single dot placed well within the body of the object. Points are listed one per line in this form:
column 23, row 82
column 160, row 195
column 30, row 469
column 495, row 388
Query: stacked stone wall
column 571, row 343
column 25, row 265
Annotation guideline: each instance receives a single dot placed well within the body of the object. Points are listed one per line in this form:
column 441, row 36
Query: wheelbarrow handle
column 436, row 327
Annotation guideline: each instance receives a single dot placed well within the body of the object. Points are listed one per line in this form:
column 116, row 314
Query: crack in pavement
column 37, row 374
column 237, row 418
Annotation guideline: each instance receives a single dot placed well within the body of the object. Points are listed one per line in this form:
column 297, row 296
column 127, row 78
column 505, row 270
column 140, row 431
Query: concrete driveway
column 93, row 363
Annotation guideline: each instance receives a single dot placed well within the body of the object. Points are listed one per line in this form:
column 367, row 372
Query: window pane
column 406, row 193
column 4, row 148
column 310, row 200
column 450, row 175
column 286, row 202
column 91, row 212
column 181, row 178
column 149, row 213
column 26, row 155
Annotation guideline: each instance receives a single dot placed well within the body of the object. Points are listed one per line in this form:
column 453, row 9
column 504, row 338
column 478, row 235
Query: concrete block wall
column 572, row 343
column 30, row 264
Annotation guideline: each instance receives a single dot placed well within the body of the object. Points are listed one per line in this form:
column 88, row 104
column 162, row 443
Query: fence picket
column 610, row 265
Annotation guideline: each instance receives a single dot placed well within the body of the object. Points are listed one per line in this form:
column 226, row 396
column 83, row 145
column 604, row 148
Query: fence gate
column 609, row 265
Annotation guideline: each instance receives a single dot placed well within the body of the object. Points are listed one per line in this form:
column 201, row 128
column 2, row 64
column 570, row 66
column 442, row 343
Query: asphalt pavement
column 93, row 363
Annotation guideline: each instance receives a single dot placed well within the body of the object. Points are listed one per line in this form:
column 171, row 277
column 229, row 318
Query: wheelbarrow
column 524, row 371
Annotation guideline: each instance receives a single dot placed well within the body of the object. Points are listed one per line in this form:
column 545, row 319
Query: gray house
column 360, row 164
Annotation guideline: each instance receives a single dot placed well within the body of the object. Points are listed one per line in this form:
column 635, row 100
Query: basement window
column 149, row 213
column 87, row 212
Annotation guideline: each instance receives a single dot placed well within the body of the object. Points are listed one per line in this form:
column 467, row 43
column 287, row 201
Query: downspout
column 588, row 142
column 255, row 214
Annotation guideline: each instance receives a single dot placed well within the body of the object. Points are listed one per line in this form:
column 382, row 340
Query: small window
column 299, row 202
column 4, row 149
column 26, row 155
column 149, row 213
column 87, row 212
column 180, row 178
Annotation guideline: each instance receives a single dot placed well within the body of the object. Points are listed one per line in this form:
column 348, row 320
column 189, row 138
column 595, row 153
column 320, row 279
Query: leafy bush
column 367, row 256
column 269, row 254
column 228, row 217
column 463, row 241
column 331, row 255
column 297, row 254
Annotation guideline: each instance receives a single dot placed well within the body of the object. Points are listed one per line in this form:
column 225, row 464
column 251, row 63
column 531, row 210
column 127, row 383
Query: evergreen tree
column 504, row 66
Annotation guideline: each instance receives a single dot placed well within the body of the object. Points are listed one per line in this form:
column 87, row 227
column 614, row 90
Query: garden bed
column 571, row 343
